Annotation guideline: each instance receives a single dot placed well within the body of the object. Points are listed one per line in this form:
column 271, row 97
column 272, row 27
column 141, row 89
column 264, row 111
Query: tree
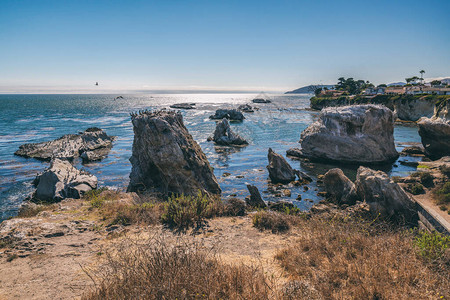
column 351, row 86
column 421, row 74
column 317, row 91
column 436, row 82
column 382, row 85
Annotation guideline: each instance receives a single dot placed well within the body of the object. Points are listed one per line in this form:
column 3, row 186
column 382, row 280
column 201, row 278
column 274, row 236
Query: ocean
column 37, row 118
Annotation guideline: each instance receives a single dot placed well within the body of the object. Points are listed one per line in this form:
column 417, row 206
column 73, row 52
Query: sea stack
column 165, row 158
column 362, row 134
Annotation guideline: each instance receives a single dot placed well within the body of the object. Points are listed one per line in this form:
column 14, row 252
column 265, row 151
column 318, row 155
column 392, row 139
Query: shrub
column 415, row 188
column 186, row 211
column 31, row 209
column 432, row 245
column 425, row 178
column 156, row 270
column 269, row 220
column 235, row 207
column 443, row 194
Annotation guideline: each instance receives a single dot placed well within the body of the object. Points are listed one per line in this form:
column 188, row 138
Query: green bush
column 185, row 211
column 269, row 220
column 416, row 188
column 432, row 245
column 443, row 194
column 425, row 178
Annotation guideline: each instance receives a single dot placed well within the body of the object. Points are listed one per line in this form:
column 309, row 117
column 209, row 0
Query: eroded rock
column 350, row 134
column 166, row 159
column 223, row 135
column 62, row 180
column 246, row 108
column 92, row 144
column 183, row 105
column 230, row 114
column 280, row 171
column 340, row 189
column 435, row 135
column 255, row 199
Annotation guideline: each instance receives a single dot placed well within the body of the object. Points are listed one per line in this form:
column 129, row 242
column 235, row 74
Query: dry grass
column 361, row 261
column 156, row 270
column 270, row 220
column 32, row 210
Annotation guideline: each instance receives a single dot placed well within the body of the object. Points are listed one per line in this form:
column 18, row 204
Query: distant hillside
column 396, row 84
column 309, row 89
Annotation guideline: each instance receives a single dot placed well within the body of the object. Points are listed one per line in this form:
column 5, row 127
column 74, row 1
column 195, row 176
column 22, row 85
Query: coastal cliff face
column 166, row 159
column 351, row 134
column 405, row 107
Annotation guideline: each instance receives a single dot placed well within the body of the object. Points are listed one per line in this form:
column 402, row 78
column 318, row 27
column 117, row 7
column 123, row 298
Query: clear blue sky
column 270, row 45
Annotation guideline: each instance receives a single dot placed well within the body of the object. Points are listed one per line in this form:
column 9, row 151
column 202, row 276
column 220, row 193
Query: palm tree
column 421, row 75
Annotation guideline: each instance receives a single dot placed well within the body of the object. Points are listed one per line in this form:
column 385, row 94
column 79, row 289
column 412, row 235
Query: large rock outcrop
column 340, row 189
column 166, row 159
column 230, row 114
column 435, row 132
column 350, row 134
column 413, row 108
column 92, row 144
column 384, row 196
column 62, row 180
column 223, row 135
column 279, row 169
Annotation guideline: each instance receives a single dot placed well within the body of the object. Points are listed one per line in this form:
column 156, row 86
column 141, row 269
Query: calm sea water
column 37, row 118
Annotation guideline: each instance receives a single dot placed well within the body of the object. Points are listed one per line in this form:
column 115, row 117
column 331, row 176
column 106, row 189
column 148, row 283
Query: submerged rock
column 261, row 100
column 223, row 135
column 255, row 199
column 280, row 171
column 230, row 114
column 384, row 196
column 350, row 134
column 246, row 108
column 183, row 105
column 340, row 189
column 92, row 144
column 61, row 180
column 166, row 159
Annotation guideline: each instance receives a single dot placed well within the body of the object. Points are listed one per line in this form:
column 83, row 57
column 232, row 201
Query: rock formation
column 246, row 108
column 350, row 134
column 255, row 199
column 384, row 196
column 183, row 105
column 230, row 114
column 223, row 135
column 340, row 189
column 166, row 159
column 61, row 180
column 435, row 132
column 92, row 144
column 279, row 169
column 413, row 109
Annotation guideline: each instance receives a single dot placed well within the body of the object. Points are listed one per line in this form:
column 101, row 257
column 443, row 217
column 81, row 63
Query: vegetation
column 360, row 260
column 432, row 246
column 415, row 188
column 443, row 194
column 32, row 210
column 352, row 86
column 156, row 270
column 270, row 220
column 425, row 178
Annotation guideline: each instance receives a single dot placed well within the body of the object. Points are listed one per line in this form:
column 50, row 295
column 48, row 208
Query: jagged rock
column 341, row 189
column 384, row 196
column 279, row 169
column 92, row 144
column 281, row 206
column 255, row 199
column 166, row 159
column 183, row 105
column 223, row 135
column 350, row 134
column 435, row 135
column 246, row 108
column 413, row 109
column 62, row 180
column 230, row 114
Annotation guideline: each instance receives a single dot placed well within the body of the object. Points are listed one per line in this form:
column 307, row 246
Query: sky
column 67, row 46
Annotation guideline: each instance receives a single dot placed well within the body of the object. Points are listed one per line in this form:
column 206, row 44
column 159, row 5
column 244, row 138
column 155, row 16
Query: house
column 331, row 93
column 414, row 90
column 392, row 90
column 437, row 90
column 374, row 91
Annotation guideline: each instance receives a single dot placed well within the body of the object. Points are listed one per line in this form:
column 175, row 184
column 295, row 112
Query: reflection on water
column 36, row 118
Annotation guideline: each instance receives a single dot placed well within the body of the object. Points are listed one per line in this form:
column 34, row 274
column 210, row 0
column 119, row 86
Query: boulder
column 340, row 189
column 246, row 108
column 282, row 206
column 62, row 180
column 384, row 196
column 280, row 171
column 166, row 159
column 92, row 144
column 414, row 150
column 261, row 100
column 230, row 114
column 435, row 135
column 350, row 134
column 223, row 135
column 183, row 105
column 255, row 199
column 414, row 108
